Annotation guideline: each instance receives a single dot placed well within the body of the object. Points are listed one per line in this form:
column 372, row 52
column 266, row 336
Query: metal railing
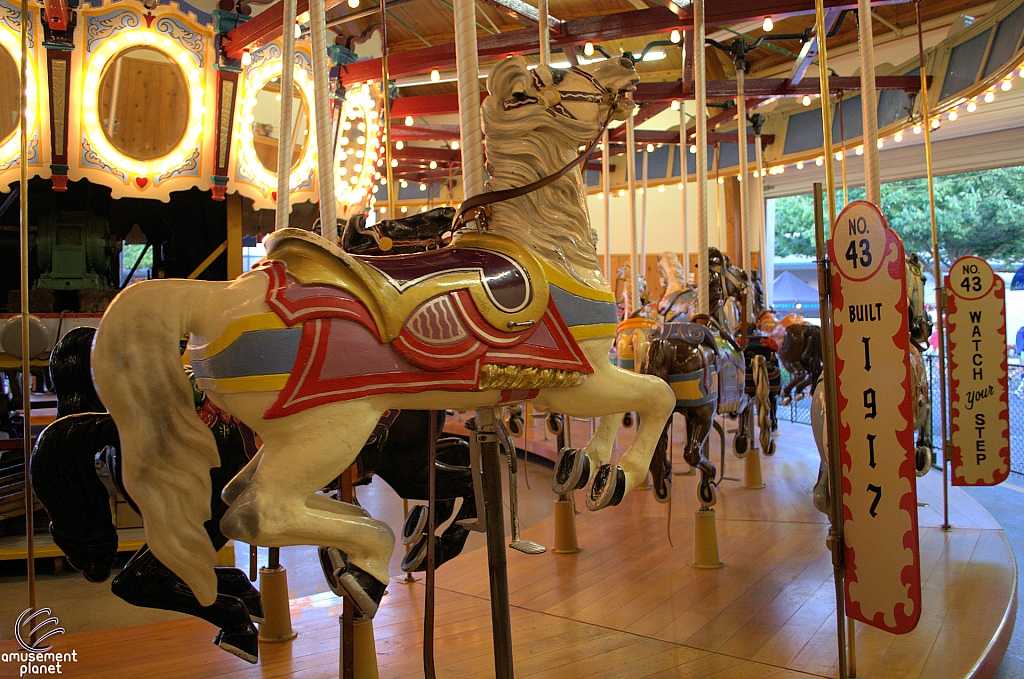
column 799, row 411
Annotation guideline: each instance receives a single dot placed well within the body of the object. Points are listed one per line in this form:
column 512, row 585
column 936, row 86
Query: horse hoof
column 366, row 591
column 922, row 460
column 770, row 449
column 663, row 490
column 515, row 426
column 707, row 494
column 243, row 643
column 415, row 524
column 739, row 445
column 332, row 562
column 608, row 488
column 555, row 424
column 572, row 471
column 627, row 420
column 416, row 557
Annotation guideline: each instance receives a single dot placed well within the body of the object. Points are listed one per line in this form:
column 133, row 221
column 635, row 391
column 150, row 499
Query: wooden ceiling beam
column 519, row 10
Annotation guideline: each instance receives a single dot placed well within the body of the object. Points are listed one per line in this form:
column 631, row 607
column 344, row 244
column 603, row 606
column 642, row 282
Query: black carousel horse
column 64, row 475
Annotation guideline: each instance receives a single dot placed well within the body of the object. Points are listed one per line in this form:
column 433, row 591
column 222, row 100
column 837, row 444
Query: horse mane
column 525, row 144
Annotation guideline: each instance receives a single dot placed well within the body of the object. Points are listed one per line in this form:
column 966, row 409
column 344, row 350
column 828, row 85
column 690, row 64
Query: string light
column 800, row 165
column 990, row 97
column 721, row 180
column 917, row 128
column 936, row 123
column 675, row 104
column 972, row 106
column 588, row 49
column 806, row 101
column 952, row 115
column 399, row 144
column 600, row 195
column 621, row 193
column 423, row 187
column 768, row 25
column 433, row 165
column 455, row 145
column 879, row 143
column 859, row 150
column 839, row 155
column 353, row 4
column 693, row 148
column 1005, row 86
column 674, row 36
column 680, row 186
column 408, row 121
column 403, row 184
column 819, row 161
column 898, row 137
column 246, row 58
column 435, row 76
column 650, row 148
column 661, row 188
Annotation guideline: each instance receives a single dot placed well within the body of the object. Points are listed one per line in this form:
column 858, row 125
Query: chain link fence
column 800, row 411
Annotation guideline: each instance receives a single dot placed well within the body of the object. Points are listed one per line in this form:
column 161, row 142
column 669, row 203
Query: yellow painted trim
column 582, row 332
column 8, row 362
column 247, row 383
column 559, row 279
column 267, row 321
column 688, row 390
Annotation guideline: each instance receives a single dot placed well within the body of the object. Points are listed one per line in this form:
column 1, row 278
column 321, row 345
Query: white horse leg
column 301, row 454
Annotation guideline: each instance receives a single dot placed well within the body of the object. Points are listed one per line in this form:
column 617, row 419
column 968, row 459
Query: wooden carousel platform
column 629, row 605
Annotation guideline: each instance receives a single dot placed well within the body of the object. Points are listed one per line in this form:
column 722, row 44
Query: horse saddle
column 408, row 234
column 690, row 333
column 495, row 283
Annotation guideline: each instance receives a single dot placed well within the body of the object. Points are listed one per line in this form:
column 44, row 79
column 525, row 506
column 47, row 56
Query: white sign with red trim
column 979, row 392
column 876, row 424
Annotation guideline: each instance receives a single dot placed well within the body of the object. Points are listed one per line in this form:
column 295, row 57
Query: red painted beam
column 427, row 133
column 427, row 105
column 426, row 154
column 57, row 14
column 769, row 87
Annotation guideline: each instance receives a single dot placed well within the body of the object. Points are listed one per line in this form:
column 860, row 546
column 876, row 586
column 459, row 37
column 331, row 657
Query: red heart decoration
column 273, row 196
column 142, row 181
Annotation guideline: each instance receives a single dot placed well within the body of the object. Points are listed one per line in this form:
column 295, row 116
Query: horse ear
column 509, row 78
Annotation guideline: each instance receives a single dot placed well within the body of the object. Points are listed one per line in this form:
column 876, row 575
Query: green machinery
column 74, row 251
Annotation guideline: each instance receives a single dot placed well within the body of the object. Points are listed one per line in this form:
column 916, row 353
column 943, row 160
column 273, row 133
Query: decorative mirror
column 266, row 125
column 143, row 103
column 8, row 95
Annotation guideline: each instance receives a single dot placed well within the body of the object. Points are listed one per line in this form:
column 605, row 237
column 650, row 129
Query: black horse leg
column 661, row 467
column 698, row 426
column 147, row 582
column 449, row 545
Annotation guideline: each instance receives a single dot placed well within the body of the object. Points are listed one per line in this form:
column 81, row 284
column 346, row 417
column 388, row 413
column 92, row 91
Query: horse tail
column 167, row 451
column 72, row 377
column 64, row 478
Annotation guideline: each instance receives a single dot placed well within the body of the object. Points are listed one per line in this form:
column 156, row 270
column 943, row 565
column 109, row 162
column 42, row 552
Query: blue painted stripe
column 627, row 363
column 686, row 377
column 695, row 403
column 577, row 310
column 257, row 352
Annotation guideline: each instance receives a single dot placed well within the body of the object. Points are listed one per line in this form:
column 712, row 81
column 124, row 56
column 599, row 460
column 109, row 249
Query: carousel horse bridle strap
column 491, row 197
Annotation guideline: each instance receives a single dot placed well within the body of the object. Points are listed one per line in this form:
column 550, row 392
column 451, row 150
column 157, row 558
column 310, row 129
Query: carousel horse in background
column 920, row 326
column 704, row 366
column 624, row 277
column 800, row 355
column 679, row 301
column 64, row 476
column 313, row 345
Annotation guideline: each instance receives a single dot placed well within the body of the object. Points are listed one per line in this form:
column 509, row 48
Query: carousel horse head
column 673, row 275
column 919, row 321
column 678, row 302
column 536, row 121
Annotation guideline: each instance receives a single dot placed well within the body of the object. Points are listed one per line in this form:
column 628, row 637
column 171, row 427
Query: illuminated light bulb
column 278, row 97
column 246, row 58
column 455, row 145
column 650, row 148
column 936, row 123
column 435, row 76
column 859, row 150
column 806, row 101
column 404, row 209
column 600, row 195
column 360, row 140
column 588, row 49
column 839, row 155
column 343, row 170
column 394, row 162
column 819, row 161
column 433, row 165
column 674, row 36
column 383, row 210
column 298, row 31
column 361, row 127
column 661, row 189
column 679, row 186
column 403, row 183
column 675, row 104
column 972, row 106
column 408, row 121
column 782, row 168
column 990, row 97
column 721, row 180
column 353, row 4
column 767, row 25
column 346, row 125
column 621, row 193
column 917, row 128
column 800, row 165
column 693, row 148
column 898, row 137
column 357, row 167
column 1005, row 86
column 399, row 145
column 640, row 191
column 879, row 143
column 952, row 115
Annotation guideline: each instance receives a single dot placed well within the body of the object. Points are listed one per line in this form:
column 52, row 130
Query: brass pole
column 842, row 143
column 826, row 113
column 26, row 359
column 940, row 291
column 385, row 93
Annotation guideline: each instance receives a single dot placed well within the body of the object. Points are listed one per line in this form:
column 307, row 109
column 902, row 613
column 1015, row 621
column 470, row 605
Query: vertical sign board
column 871, row 341
column 979, row 406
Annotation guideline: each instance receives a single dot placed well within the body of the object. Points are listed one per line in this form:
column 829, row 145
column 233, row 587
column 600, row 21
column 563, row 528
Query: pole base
column 364, row 649
column 752, row 470
column 705, row 541
column 274, row 593
column 565, row 528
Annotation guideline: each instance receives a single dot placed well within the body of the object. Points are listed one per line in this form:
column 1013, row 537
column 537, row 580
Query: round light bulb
column 399, row 144
column 246, row 58
column 879, row 143
column 433, row 165
column 693, row 148
column 721, row 180
column 917, row 128
column 455, row 145
column 898, row 137
column 1005, row 86
column 859, row 150
column 972, row 106
column 404, row 209
column 839, row 155
column 353, row 3
column 675, row 104
column 800, row 165
column 394, row 162
column 622, row 192
column 423, row 187
column 679, row 186
column 674, row 36
column 435, row 76
column 650, row 148
column 588, row 49
column 806, row 101
column 990, row 97
column 408, row 121
column 298, row 31
column 819, row 161
column 661, row 188
column 768, row 25
column 936, row 123
column 953, row 115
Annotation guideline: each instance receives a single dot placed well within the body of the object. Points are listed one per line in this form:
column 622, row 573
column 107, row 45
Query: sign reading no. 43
column 979, row 422
column 871, row 341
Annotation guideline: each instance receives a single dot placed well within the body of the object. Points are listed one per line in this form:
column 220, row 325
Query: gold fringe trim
column 493, row 376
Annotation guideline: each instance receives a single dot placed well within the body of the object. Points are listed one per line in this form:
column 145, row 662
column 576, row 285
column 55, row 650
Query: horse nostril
column 626, row 63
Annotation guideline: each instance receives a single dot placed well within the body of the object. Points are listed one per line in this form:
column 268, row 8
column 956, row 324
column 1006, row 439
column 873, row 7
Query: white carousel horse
column 920, row 326
column 314, row 345
column 624, row 276
column 679, row 301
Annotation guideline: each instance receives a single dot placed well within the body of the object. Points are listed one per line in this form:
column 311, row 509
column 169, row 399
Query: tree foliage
column 977, row 213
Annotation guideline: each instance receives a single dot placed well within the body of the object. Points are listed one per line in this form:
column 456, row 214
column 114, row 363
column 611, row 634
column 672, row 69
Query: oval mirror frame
column 10, row 144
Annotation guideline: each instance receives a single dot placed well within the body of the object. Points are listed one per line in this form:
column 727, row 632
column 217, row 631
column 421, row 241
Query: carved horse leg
column 280, row 507
column 698, row 427
column 821, row 494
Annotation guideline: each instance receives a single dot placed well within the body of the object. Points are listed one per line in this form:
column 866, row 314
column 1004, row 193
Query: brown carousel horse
column 705, row 367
